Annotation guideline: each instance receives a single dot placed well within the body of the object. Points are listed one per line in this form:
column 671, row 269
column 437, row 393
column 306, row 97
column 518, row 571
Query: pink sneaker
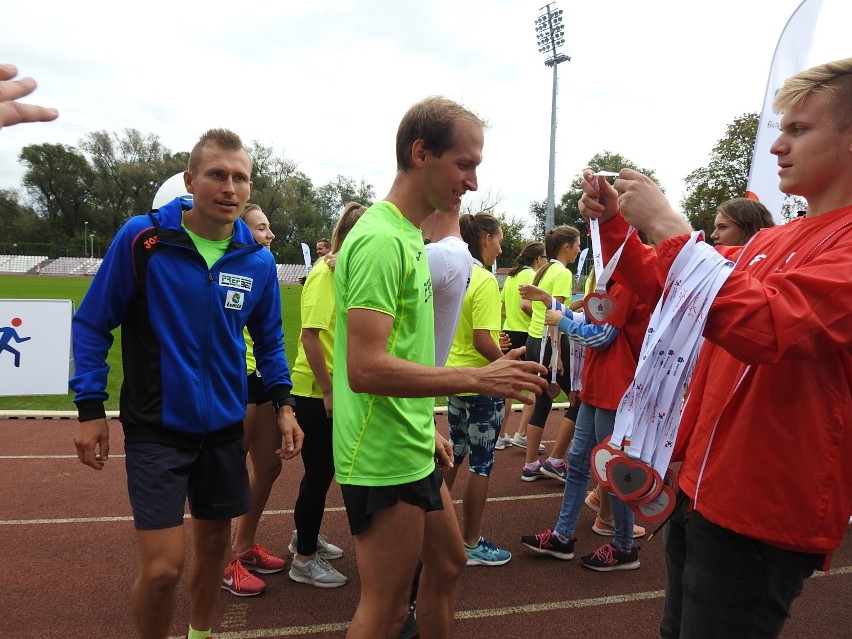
column 259, row 559
column 607, row 528
column 240, row 582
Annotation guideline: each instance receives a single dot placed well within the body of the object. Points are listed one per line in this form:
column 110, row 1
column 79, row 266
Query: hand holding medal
column 600, row 305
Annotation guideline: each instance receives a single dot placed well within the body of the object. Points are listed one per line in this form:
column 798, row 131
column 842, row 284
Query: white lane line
column 287, row 511
column 49, row 457
column 288, row 631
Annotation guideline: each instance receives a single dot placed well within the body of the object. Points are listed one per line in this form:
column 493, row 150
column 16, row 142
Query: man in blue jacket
column 182, row 282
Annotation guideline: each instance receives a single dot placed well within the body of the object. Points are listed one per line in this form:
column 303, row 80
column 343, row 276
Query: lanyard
column 599, row 305
column 650, row 410
column 552, row 388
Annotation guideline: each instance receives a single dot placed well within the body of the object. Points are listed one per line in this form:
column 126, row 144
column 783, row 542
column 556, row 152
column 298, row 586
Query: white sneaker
column 502, row 442
column 324, row 548
column 317, row 572
column 521, row 442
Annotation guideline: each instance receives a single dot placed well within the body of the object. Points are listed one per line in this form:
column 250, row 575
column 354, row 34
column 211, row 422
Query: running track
column 69, row 560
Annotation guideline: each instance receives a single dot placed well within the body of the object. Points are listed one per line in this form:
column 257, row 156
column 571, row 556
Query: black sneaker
column 608, row 557
column 547, row 543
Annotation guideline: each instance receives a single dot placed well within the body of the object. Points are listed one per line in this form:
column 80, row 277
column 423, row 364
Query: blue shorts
column 161, row 478
column 475, row 422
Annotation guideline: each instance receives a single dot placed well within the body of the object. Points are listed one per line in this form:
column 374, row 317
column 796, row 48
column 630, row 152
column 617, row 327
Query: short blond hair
column 834, row 78
column 223, row 138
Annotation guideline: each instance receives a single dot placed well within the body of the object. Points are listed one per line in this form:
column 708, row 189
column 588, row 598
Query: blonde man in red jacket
column 770, row 404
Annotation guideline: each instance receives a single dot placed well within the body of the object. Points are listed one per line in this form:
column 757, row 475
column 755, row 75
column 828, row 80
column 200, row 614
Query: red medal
column 628, row 478
column 553, row 390
column 599, row 307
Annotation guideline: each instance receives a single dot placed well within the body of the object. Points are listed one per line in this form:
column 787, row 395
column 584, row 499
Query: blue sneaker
column 486, row 554
column 558, row 470
column 531, row 474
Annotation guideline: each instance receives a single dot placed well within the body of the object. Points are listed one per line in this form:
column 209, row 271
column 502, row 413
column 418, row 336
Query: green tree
column 128, row 169
column 724, row 177
column 514, row 239
column 567, row 210
column 59, row 180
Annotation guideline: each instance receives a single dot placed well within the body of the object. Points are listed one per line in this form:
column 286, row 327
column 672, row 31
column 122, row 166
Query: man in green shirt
column 385, row 381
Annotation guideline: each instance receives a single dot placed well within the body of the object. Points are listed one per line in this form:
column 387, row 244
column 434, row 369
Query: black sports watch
column 287, row 401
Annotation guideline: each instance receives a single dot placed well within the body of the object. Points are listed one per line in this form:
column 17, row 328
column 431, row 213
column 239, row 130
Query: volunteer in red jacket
column 770, row 403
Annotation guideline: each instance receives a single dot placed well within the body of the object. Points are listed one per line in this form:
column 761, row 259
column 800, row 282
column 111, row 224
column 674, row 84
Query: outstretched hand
column 534, row 293
column 511, row 377
column 12, row 111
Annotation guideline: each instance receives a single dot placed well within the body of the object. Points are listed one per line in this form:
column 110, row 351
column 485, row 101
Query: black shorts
column 362, row 501
column 256, row 393
column 519, row 338
column 160, row 479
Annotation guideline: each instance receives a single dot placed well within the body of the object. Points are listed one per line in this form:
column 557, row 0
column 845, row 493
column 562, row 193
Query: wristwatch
column 287, row 401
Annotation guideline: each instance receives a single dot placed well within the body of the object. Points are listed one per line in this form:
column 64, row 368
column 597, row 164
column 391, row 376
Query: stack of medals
column 634, row 463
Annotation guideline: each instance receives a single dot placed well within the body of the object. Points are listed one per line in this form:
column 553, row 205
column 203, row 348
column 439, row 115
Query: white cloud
column 326, row 82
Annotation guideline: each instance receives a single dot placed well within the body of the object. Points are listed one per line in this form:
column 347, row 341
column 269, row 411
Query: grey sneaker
column 317, row 572
column 502, row 442
column 324, row 548
column 521, row 442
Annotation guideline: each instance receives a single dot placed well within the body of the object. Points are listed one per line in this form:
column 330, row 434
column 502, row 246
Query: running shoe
column 240, row 582
column 607, row 528
column 503, row 442
column 486, row 554
column 316, row 572
column 531, row 474
column 555, row 470
column 325, row 549
column 608, row 557
column 259, row 559
column 547, row 543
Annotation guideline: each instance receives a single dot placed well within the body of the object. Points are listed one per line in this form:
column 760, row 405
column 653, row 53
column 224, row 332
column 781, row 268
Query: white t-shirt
column 450, row 265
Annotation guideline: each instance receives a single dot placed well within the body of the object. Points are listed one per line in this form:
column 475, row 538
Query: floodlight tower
column 550, row 33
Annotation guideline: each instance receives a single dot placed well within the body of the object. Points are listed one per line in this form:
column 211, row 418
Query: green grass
column 74, row 288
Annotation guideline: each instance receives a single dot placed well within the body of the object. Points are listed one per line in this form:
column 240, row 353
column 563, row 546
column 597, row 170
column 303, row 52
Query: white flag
column 791, row 56
column 306, row 253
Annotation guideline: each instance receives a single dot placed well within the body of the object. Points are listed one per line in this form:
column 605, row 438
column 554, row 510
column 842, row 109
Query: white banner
column 791, row 56
column 35, row 346
column 306, row 253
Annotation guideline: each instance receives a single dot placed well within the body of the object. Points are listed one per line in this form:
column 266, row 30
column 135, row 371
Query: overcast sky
column 325, row 82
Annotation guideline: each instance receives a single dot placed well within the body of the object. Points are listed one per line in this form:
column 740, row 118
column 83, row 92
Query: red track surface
column 69, row 559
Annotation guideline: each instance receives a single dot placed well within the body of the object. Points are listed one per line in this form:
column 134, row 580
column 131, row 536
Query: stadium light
column 85, row 237
column 550, row 35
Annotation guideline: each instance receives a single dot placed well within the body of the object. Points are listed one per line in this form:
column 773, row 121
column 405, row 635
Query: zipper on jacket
column 713, row 434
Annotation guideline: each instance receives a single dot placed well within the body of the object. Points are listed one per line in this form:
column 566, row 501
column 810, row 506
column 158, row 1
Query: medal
column 598, row 307
column 553, row 390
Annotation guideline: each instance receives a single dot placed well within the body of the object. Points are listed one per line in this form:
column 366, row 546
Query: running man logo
column 7, row 334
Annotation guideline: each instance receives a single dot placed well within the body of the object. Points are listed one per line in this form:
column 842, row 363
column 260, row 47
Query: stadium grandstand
column 88, row 266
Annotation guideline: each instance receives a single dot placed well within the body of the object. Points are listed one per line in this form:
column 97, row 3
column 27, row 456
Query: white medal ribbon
column 604, row 273
column 577, row 353
column 554, row 341
column 650, row 410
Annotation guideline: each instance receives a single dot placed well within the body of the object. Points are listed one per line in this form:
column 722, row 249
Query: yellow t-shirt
column 516, row 319
column 559, row 282
column 480, row 311
column 317, row 312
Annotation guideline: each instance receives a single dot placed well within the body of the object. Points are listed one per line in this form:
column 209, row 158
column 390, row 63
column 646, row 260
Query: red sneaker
column 240, row 582
column 259, row 559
